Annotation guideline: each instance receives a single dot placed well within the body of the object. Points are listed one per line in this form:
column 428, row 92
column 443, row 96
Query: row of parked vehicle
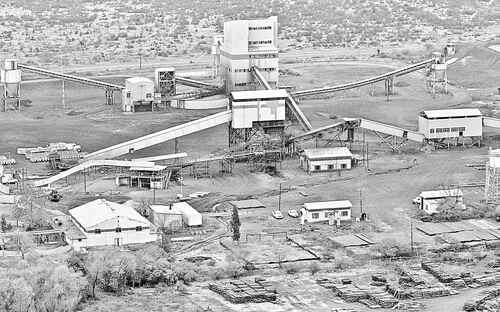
column 277, row 214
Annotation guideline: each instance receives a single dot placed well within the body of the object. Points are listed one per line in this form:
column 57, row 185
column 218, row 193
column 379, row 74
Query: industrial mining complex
column 264, row 187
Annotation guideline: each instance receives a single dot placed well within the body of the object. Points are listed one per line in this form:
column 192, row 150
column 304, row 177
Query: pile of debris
column 487, row 301
column 373, row 297
column 245, row 291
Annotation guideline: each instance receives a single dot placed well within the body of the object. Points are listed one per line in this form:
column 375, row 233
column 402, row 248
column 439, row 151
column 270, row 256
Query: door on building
column 460, row 133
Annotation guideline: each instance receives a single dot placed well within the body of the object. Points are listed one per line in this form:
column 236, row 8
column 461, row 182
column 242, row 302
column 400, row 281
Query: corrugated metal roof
column 182, row 208
column 138, row 80
column 103, row 214
column 459, row 112
column 441, row 193
column 337, row 204
column 148, row 168
column 332, row 152
column 259, row 94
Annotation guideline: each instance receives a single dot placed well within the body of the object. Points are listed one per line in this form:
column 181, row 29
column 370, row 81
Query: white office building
column 451, row 123
column 331, row 211
column 326, row 159
column 105, row 223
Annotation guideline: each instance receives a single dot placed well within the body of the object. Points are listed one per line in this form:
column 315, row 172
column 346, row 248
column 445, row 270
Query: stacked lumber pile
column 245, row 291
column 485, row 301
column 371, row 297
column 7, row 161
column 418, row 292
column 438, row 272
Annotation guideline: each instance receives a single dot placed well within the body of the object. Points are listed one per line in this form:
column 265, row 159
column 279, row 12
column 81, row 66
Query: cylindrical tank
column 11, row 79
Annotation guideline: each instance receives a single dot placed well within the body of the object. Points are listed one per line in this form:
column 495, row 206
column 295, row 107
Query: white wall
column 244, row 113
column 323, row 215
column 109, row 238
column 473, row 127
column 309, row 165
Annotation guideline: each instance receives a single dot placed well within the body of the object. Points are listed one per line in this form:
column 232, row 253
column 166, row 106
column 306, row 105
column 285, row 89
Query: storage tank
column 10, row 77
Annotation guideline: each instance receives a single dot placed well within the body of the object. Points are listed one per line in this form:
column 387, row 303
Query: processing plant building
column 249, row 43
column 451, row 123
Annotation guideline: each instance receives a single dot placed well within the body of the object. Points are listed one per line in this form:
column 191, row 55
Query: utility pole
column 279, row 199
column 84, row 181
column 361, row 201
column 411, row 235
column 63, row 85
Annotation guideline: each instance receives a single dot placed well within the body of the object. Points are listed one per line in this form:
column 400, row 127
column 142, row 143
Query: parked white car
column 293, row 213
column 277, row 214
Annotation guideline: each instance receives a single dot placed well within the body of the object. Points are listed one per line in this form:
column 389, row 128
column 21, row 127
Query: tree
column 4, row 226
column 94, row 268
column 235, row 224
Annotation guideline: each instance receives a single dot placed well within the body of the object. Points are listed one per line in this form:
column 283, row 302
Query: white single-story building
column 175, row 215
column 451, row 123
column 430, row 201
column 105, row 223
column 331, row 211
column 326, row 159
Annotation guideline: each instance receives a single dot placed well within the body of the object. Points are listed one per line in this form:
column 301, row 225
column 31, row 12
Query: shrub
column 291, row 268
column 314, row 268
column 389, row 248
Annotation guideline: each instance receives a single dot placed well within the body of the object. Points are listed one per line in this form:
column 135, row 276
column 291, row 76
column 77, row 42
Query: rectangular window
column 317, row 167
column 315, row 215
column 128, row 95
column 344, row 213
column 148, row 95
column 343, row 166
column 330, row 167
column 431, row 131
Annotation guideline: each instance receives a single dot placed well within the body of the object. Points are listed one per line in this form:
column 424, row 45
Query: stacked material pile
column 7, row 161
column 372, row 297
column 486, row 301
column 438, row 272
column 41, row 154
column 418, row 292
column 245, row 291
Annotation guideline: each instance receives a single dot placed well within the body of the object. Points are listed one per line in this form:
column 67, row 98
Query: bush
column 186, row 272
column 389, row 248
column 314, row 268
column 291, row 268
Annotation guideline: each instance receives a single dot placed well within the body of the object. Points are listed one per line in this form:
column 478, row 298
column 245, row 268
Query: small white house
column 106, row 223
column 326, row 159
column 175, row 215
column 430, row 201
column 331, row 211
